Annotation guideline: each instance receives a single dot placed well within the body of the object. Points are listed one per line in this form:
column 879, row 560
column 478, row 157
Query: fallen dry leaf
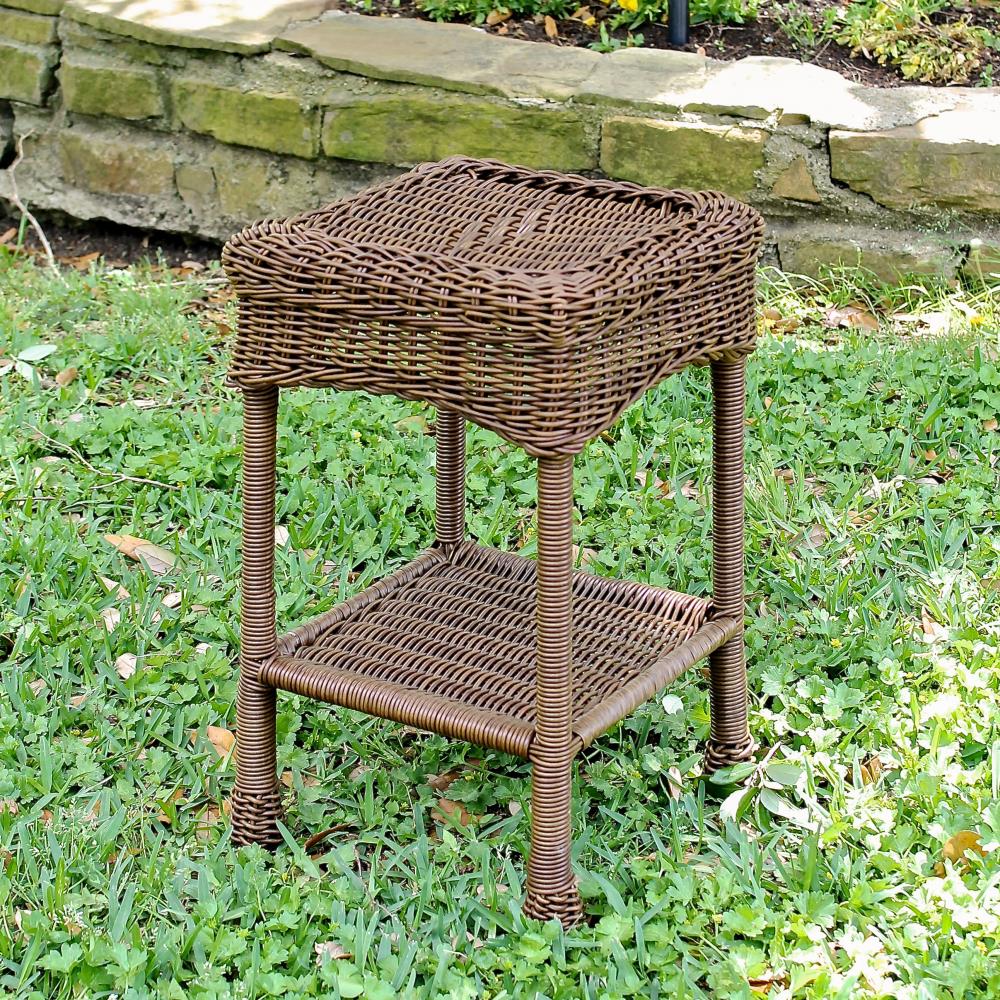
column 221, row 739
column 454, row 811
column 957, row 847
column 8, row 807
column 990, row 424
column 176, row 796
column 8, row 235
column 442, row 782
column 82, row 262
column 112, row 586
column 583, row 557
column 497, row 17
column 318, row 838
column 871, row 770
column 155, row 558
column 675, row 783
column 38, row 686
column 77, row 700
column 281, row 536
column 126, row 665
column 330, row 950
column 850, row 316
column 933, row 631
column 66, row 376
column 551, row 28
column 812, row 538
column 112, row 618
column 208, row 819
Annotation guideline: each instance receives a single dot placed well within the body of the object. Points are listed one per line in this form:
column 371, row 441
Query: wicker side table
column 540, row 306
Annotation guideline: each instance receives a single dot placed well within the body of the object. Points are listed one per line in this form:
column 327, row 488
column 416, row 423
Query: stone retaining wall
column 197, row 117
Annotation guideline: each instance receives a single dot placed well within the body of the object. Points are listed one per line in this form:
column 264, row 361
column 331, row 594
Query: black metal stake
column 678, row 20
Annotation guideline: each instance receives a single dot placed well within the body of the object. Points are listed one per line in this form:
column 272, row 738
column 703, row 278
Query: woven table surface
column 460, row 628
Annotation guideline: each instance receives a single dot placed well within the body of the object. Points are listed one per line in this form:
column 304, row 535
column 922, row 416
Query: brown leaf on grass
column 8, row 235
column 8, row 807
column 766, row 981
column 66, row 376
column 317, row 838
column 221, row 739
column 155, row 558
column 112, row 618
column 933, row 631
column 77, row 700
column 551, row 28
column 281, row 536
column 416, row 423
column 650, row 480
column 330, row 951
column 785, row 475
column 583, row 557
column 675, row 783
column 208, row 820
column 811, row 538
column 126, row 665
column 453, row 811
column 855, row 316
column 774, row 319
column 871, row 770
column 990, row 424
column 112, row 586
column 173, row 799
column 957, row 847
column 442, row 782
column 497, row 17
column 37, row 687
column 82, row 262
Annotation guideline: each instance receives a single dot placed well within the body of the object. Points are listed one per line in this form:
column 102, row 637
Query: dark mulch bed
column 762, row 37
column 76, row 243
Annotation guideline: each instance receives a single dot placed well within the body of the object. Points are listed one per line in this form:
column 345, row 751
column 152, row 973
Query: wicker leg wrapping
column 552, row 890
column 450, row 466
column 256, row 802
column 730, row 740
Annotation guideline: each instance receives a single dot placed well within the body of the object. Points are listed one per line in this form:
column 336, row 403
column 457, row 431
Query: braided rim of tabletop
column 538, row 305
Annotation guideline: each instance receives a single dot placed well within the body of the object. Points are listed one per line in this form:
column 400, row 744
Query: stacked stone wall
column 187, row 118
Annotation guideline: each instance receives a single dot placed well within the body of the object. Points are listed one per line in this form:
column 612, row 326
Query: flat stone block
column 795, row 183
column 425, row 126
column 888, row 255
column 244, row 26
column 448, row 56
column 26, row 72
column 116, row 163
column 106, row 89
column 951, row 160
column 682, row 154
column 31, row 29
column 276, row 122
column 649, row 78
column 37, row 6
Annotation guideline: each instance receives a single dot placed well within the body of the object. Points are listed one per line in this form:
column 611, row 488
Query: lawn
column 860, row 857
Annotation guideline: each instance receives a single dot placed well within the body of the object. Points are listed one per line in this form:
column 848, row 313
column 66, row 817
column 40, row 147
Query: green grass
column 874, row 631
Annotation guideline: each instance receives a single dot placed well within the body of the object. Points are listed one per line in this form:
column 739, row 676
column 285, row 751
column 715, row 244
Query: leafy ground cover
column 879, row 42
column 860, row 856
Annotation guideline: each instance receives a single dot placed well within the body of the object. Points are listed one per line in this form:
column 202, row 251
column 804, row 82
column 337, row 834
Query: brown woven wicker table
column 540, row 306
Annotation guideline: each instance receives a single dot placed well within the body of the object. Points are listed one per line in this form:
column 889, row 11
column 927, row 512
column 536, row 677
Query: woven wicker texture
column 537, row 304
column 452, row 638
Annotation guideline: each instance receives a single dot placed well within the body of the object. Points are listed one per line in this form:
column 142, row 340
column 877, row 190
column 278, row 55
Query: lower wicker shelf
column 447, row 644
